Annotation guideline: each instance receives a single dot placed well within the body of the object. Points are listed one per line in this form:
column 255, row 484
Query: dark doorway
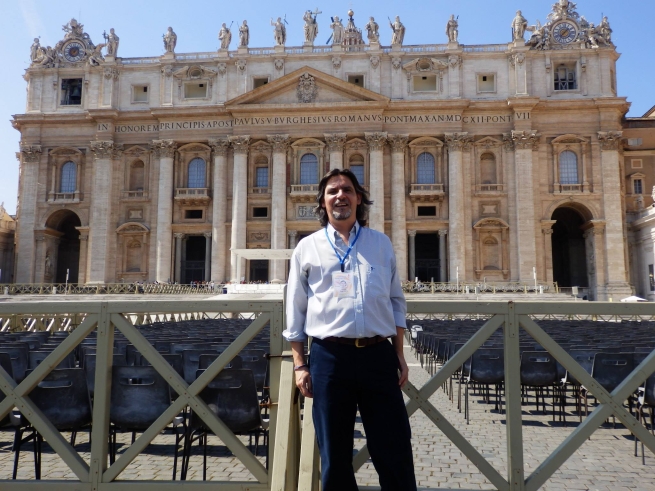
column 427, row 257
column 193, row 265
column 259, row 270
column 68, row 250
column 569, row 254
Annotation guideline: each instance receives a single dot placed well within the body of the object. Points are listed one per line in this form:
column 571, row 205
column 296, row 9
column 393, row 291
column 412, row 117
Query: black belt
column 358, row 342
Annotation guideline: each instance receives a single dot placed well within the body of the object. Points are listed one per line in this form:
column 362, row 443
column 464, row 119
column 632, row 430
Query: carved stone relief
column 307, row 89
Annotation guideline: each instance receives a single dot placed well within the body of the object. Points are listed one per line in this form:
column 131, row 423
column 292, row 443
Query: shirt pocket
column 378, row 280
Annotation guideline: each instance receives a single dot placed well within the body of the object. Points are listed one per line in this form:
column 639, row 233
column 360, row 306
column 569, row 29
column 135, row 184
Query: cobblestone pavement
column 605, row 462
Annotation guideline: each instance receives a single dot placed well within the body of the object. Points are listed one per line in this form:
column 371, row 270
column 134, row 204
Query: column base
column 613, row 292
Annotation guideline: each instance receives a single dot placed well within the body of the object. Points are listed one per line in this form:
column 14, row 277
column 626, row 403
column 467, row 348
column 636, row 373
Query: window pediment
column 132, row 228
column 423, row 65
column 491, row 224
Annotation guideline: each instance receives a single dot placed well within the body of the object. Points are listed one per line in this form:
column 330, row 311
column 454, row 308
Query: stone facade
column 154, row 168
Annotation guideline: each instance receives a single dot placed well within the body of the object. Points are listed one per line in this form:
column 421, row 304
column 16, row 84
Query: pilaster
column 398, row 213
column 164, row 150
column 411, row 234
column 376, row 143
column 335, row 143
column 219, row 210
column 30, row 157
column 240, row 146
column 280, row 144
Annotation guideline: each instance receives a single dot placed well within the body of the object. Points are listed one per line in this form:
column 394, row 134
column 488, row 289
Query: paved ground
column 604, row 463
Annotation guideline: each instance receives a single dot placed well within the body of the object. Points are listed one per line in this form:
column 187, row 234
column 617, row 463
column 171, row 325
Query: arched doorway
column 569, row 251
column 67, row 258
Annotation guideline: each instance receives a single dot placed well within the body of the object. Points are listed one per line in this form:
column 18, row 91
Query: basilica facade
column 494, row 163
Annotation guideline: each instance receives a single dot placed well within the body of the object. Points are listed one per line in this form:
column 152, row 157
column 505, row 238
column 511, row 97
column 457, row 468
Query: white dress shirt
column 378, row 305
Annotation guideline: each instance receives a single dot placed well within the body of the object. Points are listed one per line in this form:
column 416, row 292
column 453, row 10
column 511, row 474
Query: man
column 345, row 293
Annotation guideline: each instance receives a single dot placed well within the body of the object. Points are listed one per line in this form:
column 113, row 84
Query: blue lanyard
column 342, row 260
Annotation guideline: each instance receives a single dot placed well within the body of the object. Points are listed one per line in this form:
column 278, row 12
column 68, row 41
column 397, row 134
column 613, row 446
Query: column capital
column 179, row 235
column 219, row 146
column 522, row 140
column 207, row 235
column 458, row 141
column 398, row 142
column 30, row 153
column 163, row 148
column 240, row 143
column 442, row 233
column 547, row 226
column 609, row 140
column 280, row 143
column 376, row 140
column 106, row 149
column 335, row 141
column 411, row 233
column 292, row 233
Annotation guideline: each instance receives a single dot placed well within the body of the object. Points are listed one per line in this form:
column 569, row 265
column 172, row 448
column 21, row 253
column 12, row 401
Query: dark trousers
column 345, row 377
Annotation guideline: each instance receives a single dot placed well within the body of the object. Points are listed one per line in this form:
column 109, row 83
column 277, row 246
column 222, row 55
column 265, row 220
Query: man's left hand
column 404, row 371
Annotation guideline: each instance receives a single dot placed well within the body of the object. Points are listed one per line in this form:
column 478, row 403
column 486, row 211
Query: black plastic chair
column 487, row 368
column 191, row 361
column 5, row 363
column 63, row 398
column 19, row 358
column 585, row 357
column 646, row 401
column 539, row 371
column 207, row 359
column 609, row 370
column 255, row 360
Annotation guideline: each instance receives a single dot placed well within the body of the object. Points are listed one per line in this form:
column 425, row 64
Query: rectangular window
column 259, row 82
column 195, row 90
column 358, row 170
column 637, row 163
column 634, row 142
column 260, row 212
column 425, row 83
column 139, row 93
column 487, row 82
column 638, row 186
column 356, row 79
column 71, row 92
column 565, row 78
column 261, row 177
column 193, row 214
column 426, row 211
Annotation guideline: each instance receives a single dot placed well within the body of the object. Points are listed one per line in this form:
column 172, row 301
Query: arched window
column 425, row 168
column 488, row 168
column 137, row 176
column 568, row 167
column 308, row 169
column 197, row 173
column 356, row 166
column 68, row 178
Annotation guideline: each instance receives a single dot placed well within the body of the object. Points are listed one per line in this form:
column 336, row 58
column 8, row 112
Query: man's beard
column 342, row 215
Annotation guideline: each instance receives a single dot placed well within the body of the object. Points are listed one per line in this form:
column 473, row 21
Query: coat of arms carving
column 307, row 89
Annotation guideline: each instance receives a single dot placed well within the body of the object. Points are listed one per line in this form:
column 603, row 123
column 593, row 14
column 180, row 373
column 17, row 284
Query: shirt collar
column 335, row 235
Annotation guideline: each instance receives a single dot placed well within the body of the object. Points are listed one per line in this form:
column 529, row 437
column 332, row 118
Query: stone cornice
column 280, row 143
column 609, row 140
column 398, row 142
column 458, row 141
column 376, row 140
column 335, row 141
column 163, row 148
column 240, row 144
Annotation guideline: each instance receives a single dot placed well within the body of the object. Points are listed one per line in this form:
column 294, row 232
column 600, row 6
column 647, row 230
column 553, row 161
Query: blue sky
column 140, row 25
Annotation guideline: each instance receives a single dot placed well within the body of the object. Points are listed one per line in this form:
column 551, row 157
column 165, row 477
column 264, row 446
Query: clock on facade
column 74, row 51
column 565, row 32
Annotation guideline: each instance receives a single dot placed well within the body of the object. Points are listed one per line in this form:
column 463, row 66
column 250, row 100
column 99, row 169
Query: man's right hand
column 304, row 382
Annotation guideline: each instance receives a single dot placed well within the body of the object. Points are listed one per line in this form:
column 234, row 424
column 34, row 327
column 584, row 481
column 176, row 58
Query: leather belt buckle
column 357, row 343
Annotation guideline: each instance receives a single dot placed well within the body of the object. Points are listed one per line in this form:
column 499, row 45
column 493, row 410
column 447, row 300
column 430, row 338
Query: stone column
column 524, row 143
column 165, row 150
column 443, row 276
column 219, row 210
column 293, row 236
column 29, row 156
column 239, row 203
column 412, row 254
column 335, row 142
column 84, row 255
column 456, row 142
column 547, row 231
column 280, row 144
column 208, row 254
column 100, row 221
column 376, row 143
column 398, row 214
column 178, row 257
column 615, row 274
column 596, row 260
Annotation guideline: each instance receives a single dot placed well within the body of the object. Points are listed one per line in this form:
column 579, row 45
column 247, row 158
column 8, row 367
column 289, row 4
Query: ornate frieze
column 335, row 141
column 280, row 143
column 219, row 145
column 260, row 237
column 398, row 142
column 111, row 73
column 163, row 148
column 307, row 89
column 30, row 153
column 609, row 140
column 376, row 140
column 106, row 149
column 458, row 141
column 240, row 144
column 525, row 140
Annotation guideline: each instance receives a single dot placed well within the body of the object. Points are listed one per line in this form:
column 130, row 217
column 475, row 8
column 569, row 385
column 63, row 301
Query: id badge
column 343, row 285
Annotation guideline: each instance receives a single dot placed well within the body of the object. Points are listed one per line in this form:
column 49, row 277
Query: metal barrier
column 293, row 450
column 108, row 289
column 480, row 287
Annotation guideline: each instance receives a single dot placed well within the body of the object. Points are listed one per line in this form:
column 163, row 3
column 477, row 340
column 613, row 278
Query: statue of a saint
column 337, row 30
column 519, row 25
column 452, row 29
column 35, row 51
column 372, row 31
column 170, row 40
column 595, row 37
column 605, row 30
column 244, row 35
column 279, row 32
column 111, row 41
column 48, row 265
column 398, row 32
column 225, row 36
column 311, row 26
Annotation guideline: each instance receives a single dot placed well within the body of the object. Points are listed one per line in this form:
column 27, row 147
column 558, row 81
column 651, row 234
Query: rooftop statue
column 111, row 41
column 337, row 30
column 225, row 36
column 540, row 36
column 170, row 40
column 95, row 57
column 244, row 35
column 519, row 26
column 372, row 30
column 311, row 26
column 398, row 31
column 73, row 29
column 452, row 29
column 279, row 31
column 36, row 51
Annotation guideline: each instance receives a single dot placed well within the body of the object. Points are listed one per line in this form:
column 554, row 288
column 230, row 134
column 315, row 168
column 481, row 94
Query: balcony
column 65, row 197
column 139, row 195
column 569, row 188
column 303, row 193
column 426, row 192
column 490, row 189
column 259, row 191
column 192, row 196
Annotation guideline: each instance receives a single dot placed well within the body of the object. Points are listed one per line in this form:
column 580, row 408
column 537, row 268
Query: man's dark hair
column 362, row 208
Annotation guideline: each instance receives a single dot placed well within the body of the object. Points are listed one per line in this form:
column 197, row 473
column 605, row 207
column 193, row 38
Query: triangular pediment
column 304, row 87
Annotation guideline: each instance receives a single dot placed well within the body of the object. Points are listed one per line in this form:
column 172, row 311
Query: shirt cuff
column 400, row 320
column 294, row 336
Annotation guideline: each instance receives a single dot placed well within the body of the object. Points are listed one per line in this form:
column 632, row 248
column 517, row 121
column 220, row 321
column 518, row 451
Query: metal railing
column 192, row 193
column 107, row 289
column 478, row 287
